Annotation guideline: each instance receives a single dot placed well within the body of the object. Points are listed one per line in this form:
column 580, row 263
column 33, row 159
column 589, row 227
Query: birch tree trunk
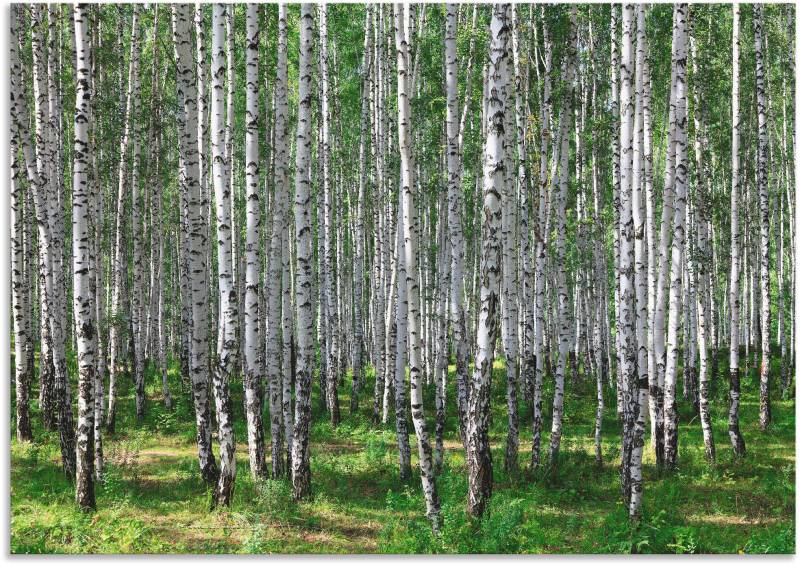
column 360, row 237
column 400, row 324
column 21, row 142
column 136, row 304
column 116, row 338
column 48, row 212
column 679, row 236
column 765, row 411
column 541, row 235
column 562, row 181
column 410, row 254
column 20, row 292
column 479, row 456
column 301, row 468
column 737, row 440
column 639, row 383
column 83, row 269
column 627, row 314
column 252, row 315
column 329, row 287
column 659, row 316
column 275, row 264
column 700, row 261
column 454, row 221
column 228, row 314
column 189, row 145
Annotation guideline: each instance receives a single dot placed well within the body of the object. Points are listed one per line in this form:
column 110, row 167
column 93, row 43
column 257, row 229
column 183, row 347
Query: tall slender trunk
column 83, row 269
column 136, row 302
column 275, row 265
column 301, row 467
column 639, row 383
column 541, row 236
column 21, row 291
column 360, row 237
column 678, row 240
column 252, row 315
column 228, row 314
column 189, row 145
column 737, row 440
column 701, row 257
column 627, row 314
column 454, row 222
column 765, row 410
column 329, row 286
column 562, row 318
column 479, row 456
column 410, row 254
column 49, row 211
column 116, row 337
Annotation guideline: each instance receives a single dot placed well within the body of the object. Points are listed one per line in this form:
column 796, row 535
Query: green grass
column 152, row 499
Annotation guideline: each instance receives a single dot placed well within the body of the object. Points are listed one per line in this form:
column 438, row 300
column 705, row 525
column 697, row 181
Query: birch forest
column 417, row 278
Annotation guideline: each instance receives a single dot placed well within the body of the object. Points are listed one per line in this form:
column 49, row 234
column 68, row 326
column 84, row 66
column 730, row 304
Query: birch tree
column 410, row 258
column 737, row 441
column 479, row 456
column 82, row 262
column 678, row 240
column 189, row 145
column 252, row 315
column 301, row 468
column 765, row 412
column 228, row 316
column 20, row 292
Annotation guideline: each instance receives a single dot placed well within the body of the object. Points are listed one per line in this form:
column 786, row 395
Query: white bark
column 188, row 129
column 83, row 269
column 301, row 468
column 410, row 253
column 479, row 460
column 765, row 410
column 678, row 240
column 252, row 315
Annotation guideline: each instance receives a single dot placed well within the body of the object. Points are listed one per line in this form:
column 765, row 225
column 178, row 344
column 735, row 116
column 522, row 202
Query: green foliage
column 152, row 499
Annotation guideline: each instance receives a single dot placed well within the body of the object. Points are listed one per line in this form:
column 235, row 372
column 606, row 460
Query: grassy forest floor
column 152, row 499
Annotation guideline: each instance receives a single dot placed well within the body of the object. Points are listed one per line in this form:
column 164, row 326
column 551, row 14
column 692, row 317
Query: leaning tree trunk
column 48, row 212
column 659, row 315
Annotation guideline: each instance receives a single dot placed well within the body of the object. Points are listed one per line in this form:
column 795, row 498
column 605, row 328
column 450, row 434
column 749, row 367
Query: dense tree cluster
column 351, row 198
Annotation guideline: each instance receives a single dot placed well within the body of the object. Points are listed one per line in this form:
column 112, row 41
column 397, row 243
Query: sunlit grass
column 152, row 499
